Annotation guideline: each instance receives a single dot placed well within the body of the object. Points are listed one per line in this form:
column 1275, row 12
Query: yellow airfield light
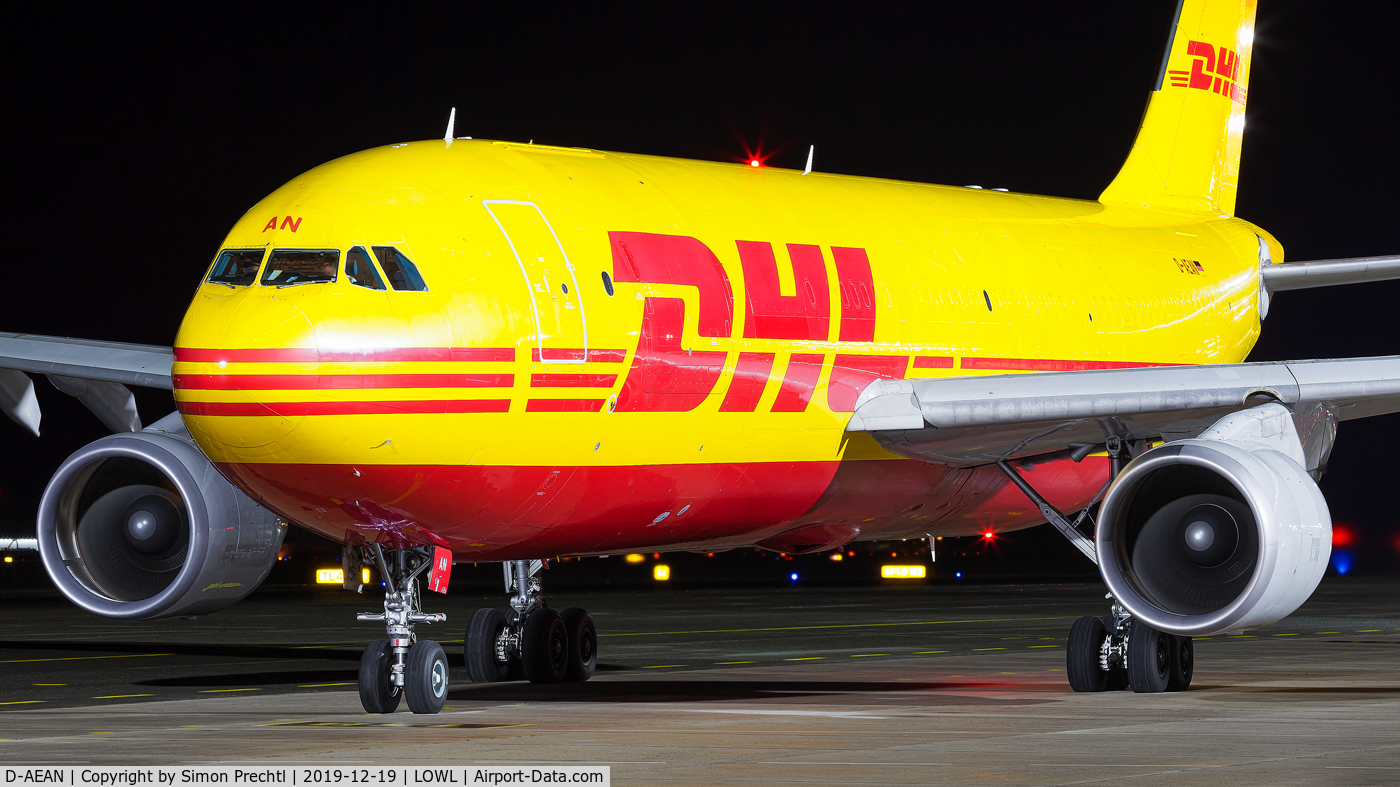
column 364, row 576
column 903, row 572
column 635, row 558
column 661, row 573
column 836, row 556
column 9, row 559
column 330, row 576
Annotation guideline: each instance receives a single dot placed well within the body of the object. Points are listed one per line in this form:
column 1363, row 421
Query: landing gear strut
column 1115, row 651
column 402, row 665
column 530, row 640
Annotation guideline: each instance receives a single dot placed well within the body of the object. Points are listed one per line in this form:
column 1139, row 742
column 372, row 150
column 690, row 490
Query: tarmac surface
column 847, row 685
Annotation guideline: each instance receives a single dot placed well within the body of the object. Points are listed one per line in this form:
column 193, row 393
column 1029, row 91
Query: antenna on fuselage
column 451, row 121
column 810, row 151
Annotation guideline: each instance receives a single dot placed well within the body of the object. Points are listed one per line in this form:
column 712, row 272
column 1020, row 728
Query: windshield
column 236, row 267
column 360, row 271
column 299, row 266
column 402, row 273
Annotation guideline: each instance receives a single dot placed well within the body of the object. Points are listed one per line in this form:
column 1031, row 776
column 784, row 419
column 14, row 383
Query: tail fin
column 1187, row 153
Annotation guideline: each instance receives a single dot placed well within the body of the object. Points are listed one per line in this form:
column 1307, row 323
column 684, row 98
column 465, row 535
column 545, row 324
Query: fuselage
column 617, row 352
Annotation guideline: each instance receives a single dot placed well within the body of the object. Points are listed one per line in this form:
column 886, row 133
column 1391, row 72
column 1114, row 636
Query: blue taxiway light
column 1342, row 561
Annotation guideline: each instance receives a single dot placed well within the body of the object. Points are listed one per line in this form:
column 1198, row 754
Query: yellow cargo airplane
column 464, row 350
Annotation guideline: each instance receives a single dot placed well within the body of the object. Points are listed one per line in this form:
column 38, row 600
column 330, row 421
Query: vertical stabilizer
column 1187, row 153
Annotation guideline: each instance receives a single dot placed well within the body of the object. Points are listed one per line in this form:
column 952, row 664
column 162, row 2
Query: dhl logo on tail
column 1214, row 69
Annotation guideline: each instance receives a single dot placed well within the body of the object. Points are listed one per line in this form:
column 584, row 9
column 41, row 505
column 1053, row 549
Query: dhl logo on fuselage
column 1214, row 69
column 662, row 377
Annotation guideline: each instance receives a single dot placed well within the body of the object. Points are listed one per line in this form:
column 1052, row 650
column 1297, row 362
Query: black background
column 132, row 139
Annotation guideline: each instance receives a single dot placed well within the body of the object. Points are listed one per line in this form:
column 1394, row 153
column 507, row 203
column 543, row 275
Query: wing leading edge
column 968, row 421
column 94, row 372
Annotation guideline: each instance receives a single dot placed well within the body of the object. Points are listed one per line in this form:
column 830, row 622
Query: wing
column 97, row 373
column 966, row 421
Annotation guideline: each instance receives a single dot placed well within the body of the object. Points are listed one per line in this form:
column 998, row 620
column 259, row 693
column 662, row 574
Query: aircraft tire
column 583, row 644
column 544, row 647
column 1183, row 664
column 1149, row 658
column 479, row 647
column 1086, row 637
column 426, row 677
column 377, row 693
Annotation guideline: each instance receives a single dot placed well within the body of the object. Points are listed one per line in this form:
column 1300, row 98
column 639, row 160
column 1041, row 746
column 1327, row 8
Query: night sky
column 133, row 139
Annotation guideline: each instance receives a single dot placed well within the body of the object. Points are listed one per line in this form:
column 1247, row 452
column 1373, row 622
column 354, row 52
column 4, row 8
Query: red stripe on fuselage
column 296, row 409
column 1049, row 365
column 803, row 371
column 564, row 354
column 564, row 405
column 746, row 386
column 572, row 380
column 304, row 382
column 305, row 355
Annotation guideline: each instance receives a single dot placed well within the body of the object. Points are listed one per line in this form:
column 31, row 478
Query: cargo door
column 561, row 334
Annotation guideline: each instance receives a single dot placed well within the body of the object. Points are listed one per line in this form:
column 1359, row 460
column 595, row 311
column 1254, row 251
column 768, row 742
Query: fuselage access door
column 561, row 332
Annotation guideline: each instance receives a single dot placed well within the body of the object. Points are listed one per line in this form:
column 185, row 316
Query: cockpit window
column 360, row 271
column 402, row 273
column 236, row 267
column 287, row 267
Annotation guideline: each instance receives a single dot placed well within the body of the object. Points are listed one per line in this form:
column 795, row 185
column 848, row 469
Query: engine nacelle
column 141, row 525
column 1223, row 532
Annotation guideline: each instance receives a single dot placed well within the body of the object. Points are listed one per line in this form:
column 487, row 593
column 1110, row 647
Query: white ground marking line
column 571, row 762
column 874, row 763
column 1178, row 766
column 839, row 714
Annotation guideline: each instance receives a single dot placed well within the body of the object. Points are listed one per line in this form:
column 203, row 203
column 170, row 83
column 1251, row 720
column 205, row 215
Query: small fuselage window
column 236, row 267
column 402, row 273
column 360, row 271
column 287, row 267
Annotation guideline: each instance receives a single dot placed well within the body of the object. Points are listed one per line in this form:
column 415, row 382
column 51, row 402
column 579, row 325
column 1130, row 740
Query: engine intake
column 141, row 525
column 1220, row 533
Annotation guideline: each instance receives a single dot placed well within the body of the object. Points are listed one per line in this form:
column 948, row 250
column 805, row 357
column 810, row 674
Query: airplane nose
column 248, row 386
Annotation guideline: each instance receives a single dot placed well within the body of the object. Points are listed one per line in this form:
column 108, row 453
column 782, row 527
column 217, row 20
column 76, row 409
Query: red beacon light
column 753, row 162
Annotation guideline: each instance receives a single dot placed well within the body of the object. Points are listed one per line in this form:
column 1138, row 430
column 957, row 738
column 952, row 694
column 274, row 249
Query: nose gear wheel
column 402, row 665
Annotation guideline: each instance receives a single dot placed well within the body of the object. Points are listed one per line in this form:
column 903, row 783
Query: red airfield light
column 1343, row 536
column 753, row 162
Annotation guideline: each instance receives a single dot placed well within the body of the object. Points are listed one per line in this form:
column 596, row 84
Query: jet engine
column 1223, row 532
column 141, row 525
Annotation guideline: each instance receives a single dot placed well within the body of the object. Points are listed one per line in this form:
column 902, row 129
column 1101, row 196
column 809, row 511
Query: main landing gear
column 531, row 641
column 1115, row 651
column 402, row 665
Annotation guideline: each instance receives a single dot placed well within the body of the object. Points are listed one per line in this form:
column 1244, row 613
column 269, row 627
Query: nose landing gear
column 530, row 641
column 402, row 666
